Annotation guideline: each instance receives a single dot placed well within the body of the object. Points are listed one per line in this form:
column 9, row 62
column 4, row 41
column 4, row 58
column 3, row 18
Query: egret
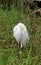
column 20, row 33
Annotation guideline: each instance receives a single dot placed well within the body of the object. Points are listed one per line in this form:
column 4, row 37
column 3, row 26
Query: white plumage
column 20, row 33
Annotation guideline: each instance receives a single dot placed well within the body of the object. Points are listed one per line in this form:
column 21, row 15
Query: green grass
column 10, row 54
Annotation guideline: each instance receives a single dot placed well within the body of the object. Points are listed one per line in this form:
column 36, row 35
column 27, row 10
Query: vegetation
column 10, row 52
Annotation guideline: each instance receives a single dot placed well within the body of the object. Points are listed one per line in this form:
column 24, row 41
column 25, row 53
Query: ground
column 10, row 53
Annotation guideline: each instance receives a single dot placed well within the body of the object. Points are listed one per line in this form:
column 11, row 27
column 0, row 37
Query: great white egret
column 20, row 33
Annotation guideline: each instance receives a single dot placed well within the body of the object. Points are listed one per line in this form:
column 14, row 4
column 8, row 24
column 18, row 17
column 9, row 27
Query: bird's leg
column 21, row 45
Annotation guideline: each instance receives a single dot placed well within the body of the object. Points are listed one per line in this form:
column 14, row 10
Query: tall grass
column 9, row 53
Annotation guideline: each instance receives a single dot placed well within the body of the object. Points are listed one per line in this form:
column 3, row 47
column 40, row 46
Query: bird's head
column 21, row 25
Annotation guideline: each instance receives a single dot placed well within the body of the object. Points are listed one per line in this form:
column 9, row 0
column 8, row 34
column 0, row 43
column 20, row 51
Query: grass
column 10, row 54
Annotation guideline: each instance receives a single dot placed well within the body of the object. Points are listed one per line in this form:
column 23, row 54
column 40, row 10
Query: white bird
column 20, row 33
